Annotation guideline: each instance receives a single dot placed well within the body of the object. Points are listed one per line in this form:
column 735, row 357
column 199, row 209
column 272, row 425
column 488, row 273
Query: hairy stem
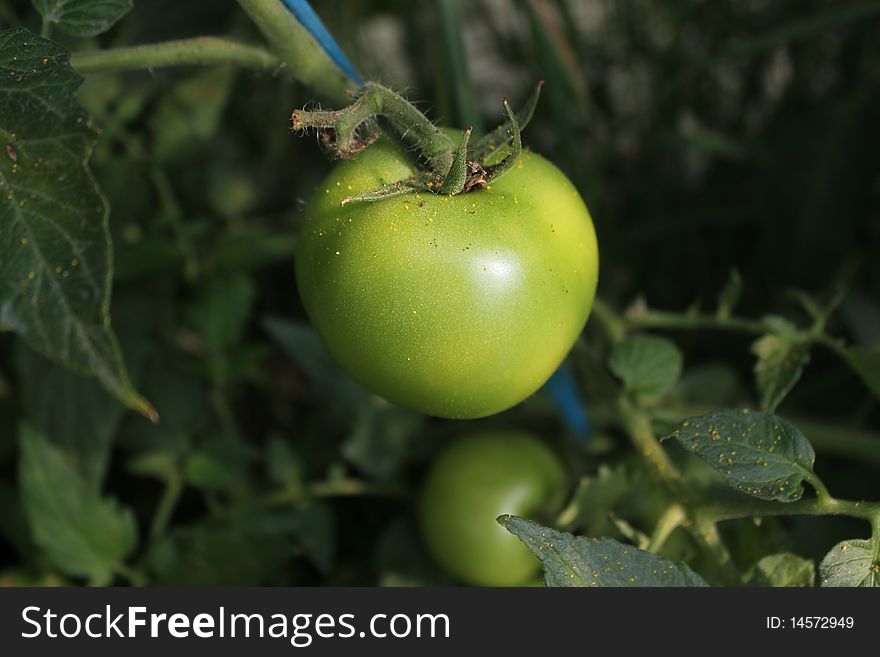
column 197, row 51
column 376, row 100
column 305, row 58
column 638, row 426
column 674, row 516
column 658, row 319
column 827, row 506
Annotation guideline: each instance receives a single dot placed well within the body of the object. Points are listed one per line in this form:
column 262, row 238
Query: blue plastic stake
column 309, row 19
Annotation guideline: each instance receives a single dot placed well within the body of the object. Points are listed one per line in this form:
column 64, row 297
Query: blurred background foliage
column 704, row 136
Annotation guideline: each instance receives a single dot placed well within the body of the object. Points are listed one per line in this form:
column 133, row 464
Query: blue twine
column 304, row 13
column 563, row 391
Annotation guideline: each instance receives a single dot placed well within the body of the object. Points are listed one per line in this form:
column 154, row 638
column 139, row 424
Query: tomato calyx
column 448, row 168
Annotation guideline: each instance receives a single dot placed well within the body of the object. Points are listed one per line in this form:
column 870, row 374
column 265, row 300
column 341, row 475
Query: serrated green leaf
column 646, row 364
column 82, row 533
column 221, row 312
column 255, row 551
column 83, row 18
column 594, row 497
column 851, row 563
column 759, row 454
column 785, row 570
column 316, row 531
column 55, row 254
column 867, row 366
column 779, row 366
column 380, row 436
column 219, row 464
column 284, row 466
column 378, row 433
column 576, row 561
column 190, row 115
column 73, row 412
column 302, row 344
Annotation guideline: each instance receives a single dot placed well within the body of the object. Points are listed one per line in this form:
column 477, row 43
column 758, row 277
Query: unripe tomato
column 456, row 306
column 475, row 480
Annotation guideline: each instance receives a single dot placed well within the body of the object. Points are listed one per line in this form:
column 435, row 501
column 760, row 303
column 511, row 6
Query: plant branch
column 828, row 506
column 197, row 51
column 305, row 58
column 658, row 319
column 638, row 426
column 376, row 100
column 645, row 318
column 673, row 517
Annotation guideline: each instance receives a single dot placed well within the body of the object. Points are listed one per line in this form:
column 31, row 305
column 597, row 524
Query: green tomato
column 471, row 483
column 455, row 306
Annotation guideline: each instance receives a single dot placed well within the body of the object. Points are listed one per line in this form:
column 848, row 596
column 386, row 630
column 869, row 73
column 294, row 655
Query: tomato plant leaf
column 380, row 436
column 646, row 364
column 82, row 533
column 850, row 563
column 55, row 252
column 759, row 454
column 75, row 413
column 784, row 570
column 779, row 366
column 316, row 531
column 83, row 18
column 283, row 465
column 190, row 115
column 226, row 554
column 867, row 366
column 222, row 311
column 378, row 433
column 594, row 497
column 577, row 561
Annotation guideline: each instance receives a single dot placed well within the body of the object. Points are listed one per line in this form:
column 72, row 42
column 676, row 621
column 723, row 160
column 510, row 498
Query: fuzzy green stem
column 304, row 57
column 827, row 506
column 674, row 516
column 638, row 426
column 376, row 100
column 705, row 532
column 657, row 319
column 198, row 51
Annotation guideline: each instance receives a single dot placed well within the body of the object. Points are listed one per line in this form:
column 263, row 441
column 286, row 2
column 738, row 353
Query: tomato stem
column 451, row 169
column 354, row 130
column 204, row 50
